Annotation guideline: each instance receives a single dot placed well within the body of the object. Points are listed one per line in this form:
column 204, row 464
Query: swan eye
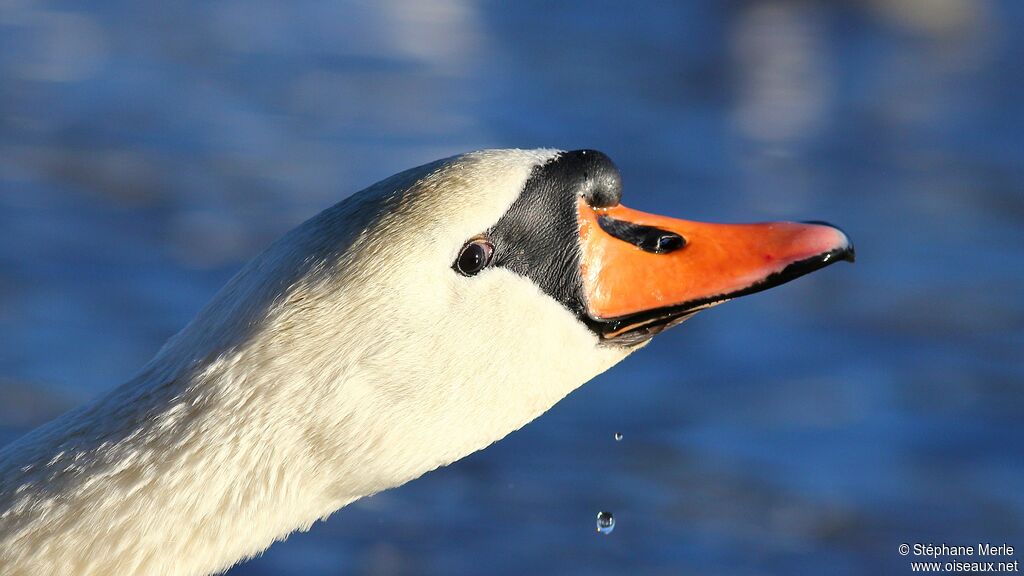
column 474, row 257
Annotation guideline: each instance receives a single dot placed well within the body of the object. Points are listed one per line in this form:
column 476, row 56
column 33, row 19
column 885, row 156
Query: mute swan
column 412, row 324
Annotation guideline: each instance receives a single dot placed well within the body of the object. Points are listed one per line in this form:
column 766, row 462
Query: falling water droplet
column 618, row 436
column 605, row 522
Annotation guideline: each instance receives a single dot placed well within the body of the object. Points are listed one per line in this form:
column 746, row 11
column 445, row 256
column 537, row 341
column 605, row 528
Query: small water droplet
column 605, row 522
column 618, row 436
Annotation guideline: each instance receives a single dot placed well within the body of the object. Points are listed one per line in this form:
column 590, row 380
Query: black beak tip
column 850, row 255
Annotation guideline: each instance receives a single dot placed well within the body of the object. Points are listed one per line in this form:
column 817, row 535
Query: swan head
column 440, row 309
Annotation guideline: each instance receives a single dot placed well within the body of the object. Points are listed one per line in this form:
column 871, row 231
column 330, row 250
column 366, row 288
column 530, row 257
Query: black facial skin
column 539, row 236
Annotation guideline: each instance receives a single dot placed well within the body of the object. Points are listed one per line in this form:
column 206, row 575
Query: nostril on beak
column 646, row 238
column 667, row 242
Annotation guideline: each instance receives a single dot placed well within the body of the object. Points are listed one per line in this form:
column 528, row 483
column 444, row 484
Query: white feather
column 346, row 359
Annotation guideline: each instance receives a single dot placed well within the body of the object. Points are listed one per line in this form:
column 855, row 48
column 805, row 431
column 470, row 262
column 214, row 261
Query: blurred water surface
column 148, row 149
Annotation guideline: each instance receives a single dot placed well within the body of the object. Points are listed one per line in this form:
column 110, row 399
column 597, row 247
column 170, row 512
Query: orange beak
column 643, row 273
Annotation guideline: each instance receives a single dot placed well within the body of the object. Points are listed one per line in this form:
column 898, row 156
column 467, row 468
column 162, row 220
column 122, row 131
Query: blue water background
column 148, row 149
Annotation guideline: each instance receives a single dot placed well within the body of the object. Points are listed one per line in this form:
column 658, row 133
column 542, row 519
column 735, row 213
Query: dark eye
column 474, row 257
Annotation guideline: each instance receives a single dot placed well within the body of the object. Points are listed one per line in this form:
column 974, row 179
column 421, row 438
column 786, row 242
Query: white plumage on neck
column 347, row 359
